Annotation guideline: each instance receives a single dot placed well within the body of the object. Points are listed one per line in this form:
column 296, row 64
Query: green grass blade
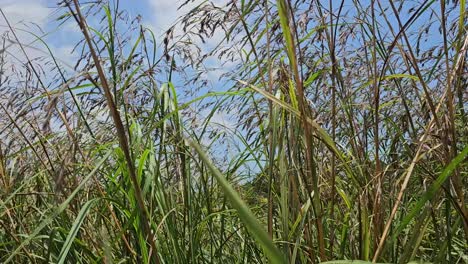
column 436, row 185
column 245, row 214
column 59, row 209
column 74, row 230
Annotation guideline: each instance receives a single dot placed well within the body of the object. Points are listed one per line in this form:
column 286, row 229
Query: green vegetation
column 345, row 142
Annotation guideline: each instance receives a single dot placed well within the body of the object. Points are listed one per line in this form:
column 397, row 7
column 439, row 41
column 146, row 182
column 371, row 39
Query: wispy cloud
column 24, row 16
column 29, row 18
column 166, row 12
column 23, row 12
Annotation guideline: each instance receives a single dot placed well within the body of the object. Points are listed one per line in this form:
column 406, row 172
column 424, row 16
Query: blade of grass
column 58, row 210
column 245, row 214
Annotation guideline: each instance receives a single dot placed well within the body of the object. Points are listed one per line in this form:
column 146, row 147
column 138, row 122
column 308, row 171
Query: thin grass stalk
column 120, row 133
column 450, row 135
column 271, row 125
column 243, row 210
column 408, row 174
column 331, row 41
column 268, row 84
column 378, row 174
column 290, row 46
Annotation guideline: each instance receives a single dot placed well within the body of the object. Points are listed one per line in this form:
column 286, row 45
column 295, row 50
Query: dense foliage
column 336, row 131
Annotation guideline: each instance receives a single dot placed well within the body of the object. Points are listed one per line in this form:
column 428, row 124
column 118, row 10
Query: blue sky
column 39, row 16
column 157, row 15
column 34, row 14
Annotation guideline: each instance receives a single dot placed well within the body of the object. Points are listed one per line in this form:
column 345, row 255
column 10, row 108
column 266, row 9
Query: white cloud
column 24, row 16
column 71, row 27
column 166, row 12
column 25, row 10
column 32, row 16
column 221, row 119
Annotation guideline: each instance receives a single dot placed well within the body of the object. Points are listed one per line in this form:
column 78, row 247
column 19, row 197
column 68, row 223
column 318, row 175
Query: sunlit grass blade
column 245, row 214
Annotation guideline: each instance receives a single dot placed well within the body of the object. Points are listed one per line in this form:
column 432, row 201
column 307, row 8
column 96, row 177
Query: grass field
column 336, row 131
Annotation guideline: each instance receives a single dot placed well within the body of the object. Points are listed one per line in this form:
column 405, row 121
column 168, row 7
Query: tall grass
column 347, row 141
